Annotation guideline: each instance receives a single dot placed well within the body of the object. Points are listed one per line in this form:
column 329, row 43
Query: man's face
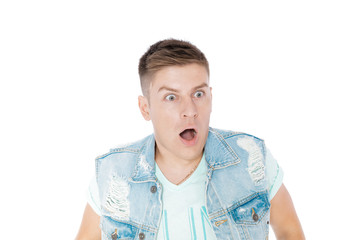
column 179, row 106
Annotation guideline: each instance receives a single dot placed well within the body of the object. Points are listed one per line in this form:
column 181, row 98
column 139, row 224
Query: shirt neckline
column 193, row 177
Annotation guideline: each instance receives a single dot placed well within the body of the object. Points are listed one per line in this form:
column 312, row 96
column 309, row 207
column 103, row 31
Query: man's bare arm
column 89, row 228
column 283, row 218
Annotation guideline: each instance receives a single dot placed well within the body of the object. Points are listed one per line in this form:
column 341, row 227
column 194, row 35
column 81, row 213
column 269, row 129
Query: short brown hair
column 169, row 52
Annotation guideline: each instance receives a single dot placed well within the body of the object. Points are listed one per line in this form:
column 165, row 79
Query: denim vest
column 237, row 198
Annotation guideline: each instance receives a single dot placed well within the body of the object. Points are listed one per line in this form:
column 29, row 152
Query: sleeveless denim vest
column 237, row 198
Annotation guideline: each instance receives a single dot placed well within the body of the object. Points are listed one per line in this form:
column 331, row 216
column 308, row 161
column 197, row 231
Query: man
column 187, row 180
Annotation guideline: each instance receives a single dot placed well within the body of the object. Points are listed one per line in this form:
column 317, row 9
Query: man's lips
column 189, row 136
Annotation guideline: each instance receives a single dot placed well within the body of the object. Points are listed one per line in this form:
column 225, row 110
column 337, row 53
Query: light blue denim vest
column 237, row 198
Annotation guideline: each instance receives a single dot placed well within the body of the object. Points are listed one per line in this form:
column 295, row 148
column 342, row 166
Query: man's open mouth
column 188, row 134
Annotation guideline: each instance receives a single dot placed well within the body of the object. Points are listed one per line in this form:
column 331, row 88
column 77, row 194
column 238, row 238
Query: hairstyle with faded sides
column 165, row 53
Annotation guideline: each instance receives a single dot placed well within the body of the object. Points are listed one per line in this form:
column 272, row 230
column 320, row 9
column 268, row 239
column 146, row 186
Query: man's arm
column 89, row 229
column 283, row 218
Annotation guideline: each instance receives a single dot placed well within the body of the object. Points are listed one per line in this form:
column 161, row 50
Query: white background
column 285, row 71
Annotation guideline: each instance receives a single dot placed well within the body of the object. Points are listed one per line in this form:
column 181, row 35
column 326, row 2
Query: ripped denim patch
column 256, row 167
column 117, row 202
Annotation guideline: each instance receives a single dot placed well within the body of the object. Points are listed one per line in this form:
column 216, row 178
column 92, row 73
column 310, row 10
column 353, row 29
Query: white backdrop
column 284, row 71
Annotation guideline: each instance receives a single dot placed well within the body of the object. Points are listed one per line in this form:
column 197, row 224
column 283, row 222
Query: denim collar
column 218, row 153
column 145, row 167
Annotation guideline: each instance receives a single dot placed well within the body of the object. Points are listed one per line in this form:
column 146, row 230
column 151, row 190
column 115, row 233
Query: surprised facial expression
column 179, row 106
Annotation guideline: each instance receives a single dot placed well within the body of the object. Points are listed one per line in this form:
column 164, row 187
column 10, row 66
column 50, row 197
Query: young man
column 187, row 180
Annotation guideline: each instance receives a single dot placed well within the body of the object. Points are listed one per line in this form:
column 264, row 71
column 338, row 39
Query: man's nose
column 189, row 109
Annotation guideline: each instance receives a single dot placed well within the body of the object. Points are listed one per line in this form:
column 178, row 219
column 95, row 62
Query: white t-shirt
column 184, row 212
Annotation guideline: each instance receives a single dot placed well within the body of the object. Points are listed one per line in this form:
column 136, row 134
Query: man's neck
column 176, row 169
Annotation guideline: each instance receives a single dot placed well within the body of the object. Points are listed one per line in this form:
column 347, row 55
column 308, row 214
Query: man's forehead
column 180, row 78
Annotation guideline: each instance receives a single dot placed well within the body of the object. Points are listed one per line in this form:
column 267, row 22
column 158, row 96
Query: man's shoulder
column 228, row 147
column 129, row 148
column 231, row 135
column 233, row 142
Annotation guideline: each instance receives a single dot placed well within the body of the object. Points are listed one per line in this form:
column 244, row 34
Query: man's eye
column 199, row 94
column 170, row 97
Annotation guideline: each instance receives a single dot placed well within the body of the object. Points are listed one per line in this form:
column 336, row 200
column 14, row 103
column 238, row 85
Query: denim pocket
column 114, row 230
column 252, row 216
column 251, row 210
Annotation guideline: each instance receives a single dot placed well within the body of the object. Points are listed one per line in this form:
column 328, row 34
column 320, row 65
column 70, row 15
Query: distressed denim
column 237, row 199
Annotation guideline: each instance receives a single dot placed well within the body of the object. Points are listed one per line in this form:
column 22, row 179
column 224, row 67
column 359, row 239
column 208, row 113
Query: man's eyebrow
column 201, row 86
column 165, row 88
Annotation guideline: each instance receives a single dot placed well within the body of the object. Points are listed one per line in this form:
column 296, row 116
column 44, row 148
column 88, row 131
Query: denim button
column 141, row 236
column 153, row 189
column 255, row 217
column 114, row 235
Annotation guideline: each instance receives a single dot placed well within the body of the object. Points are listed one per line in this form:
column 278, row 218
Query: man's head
column 170, row 52
column 178, row 100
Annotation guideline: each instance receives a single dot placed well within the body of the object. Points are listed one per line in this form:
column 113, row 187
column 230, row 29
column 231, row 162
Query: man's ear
column 211, row 97
column 144, row 107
